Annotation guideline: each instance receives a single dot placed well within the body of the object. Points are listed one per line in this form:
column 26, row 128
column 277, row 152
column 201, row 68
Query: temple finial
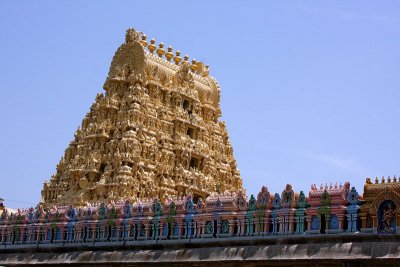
column 177, row 58
column 160, row 51
column 144, row 42
column 169, row 54
column 206, row 71
column 152, row 46
column 186, row 59
column 193, row 67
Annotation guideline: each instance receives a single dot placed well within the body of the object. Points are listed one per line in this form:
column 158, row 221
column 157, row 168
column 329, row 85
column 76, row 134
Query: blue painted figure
column 190, row 212
column 334, row 222
column 250, row 215
column 155, row 222
column 352, row 211
column 300, row 213
column 276, row 203
column 314, row 223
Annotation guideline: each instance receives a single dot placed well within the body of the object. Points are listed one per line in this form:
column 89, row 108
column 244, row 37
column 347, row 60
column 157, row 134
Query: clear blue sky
column 310, row 89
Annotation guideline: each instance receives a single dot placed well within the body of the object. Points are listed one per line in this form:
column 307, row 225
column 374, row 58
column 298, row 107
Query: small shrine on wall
column 154, row 133
column 381, row 211
column 327, row 212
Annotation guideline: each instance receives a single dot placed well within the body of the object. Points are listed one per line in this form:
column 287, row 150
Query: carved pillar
column 218, row 228
column 258, row 225
column 266, row 224
column 363, row 220
column 320, row 224
column 9, row 234
column 197, row 229
column 202, row 227
column 301, row 225
column 291, row 224
column 81, row 232
column 327, row 219
column 160, row 230
column 349, row 223
column 42, row 233
column 238, row 224
column 242, row 226
column 21, row 233
column 231, row 227
column 341, row 219
column 163, row 234
column 34, row 234
column 181, row 229
column 1, row 234
column 102, row 233
column 93, row 233
column 124, row 230
column 281, row 225
column 398, row 217
column 308, row 220
column 116, row 232
column 354, row 223
column 374, row 221
column 146, row 227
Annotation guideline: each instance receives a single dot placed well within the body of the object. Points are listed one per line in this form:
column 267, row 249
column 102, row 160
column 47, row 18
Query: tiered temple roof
column 155, row 133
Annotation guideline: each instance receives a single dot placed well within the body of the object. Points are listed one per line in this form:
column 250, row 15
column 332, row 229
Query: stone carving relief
column 150, row 135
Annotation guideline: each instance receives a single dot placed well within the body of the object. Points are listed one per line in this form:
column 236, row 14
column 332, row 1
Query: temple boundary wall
column 302, row 250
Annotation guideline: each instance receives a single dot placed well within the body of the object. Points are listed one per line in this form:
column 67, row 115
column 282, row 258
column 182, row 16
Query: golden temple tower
column 155, row 133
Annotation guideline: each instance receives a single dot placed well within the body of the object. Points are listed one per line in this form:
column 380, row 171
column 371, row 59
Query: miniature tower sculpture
column 155, row 133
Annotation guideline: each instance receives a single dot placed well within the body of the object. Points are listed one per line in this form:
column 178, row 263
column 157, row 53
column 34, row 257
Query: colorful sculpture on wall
column 300, row 214
column 327, row 210
column 353, row 211
column 380, row 212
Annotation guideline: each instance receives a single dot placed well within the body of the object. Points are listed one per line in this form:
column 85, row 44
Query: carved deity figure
column 288, row 195
column 387, row 218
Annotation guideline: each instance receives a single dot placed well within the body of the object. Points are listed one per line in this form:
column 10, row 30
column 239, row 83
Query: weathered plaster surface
column 333, row 250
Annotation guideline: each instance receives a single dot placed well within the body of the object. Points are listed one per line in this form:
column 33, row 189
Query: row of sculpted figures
column 326, row 210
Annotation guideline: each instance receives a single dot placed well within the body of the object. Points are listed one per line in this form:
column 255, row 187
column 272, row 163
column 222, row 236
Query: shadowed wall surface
column 332, row 250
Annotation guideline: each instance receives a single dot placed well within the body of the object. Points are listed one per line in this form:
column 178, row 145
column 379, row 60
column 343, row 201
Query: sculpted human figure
column 287, row 194
column 388, row 216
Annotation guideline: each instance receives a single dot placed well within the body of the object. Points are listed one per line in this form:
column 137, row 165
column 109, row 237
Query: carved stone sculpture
column 155, row 133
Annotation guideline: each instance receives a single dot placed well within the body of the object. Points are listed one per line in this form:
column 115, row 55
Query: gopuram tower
column 155, row 133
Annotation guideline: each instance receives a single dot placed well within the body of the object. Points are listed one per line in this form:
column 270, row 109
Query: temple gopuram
column 155, row 133
column 150, row 179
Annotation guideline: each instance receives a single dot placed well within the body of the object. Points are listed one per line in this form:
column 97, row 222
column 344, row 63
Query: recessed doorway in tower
column 186, row 105
column 323, row 224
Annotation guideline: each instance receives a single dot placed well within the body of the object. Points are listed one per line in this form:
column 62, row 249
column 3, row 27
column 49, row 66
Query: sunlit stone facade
column 154, row 133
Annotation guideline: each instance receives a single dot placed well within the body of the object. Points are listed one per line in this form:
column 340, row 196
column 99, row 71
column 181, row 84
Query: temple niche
column 380, row 212
column 154, row 133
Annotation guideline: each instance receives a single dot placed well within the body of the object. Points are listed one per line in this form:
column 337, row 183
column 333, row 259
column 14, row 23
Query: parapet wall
column 318, row 250
column 327, row 210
